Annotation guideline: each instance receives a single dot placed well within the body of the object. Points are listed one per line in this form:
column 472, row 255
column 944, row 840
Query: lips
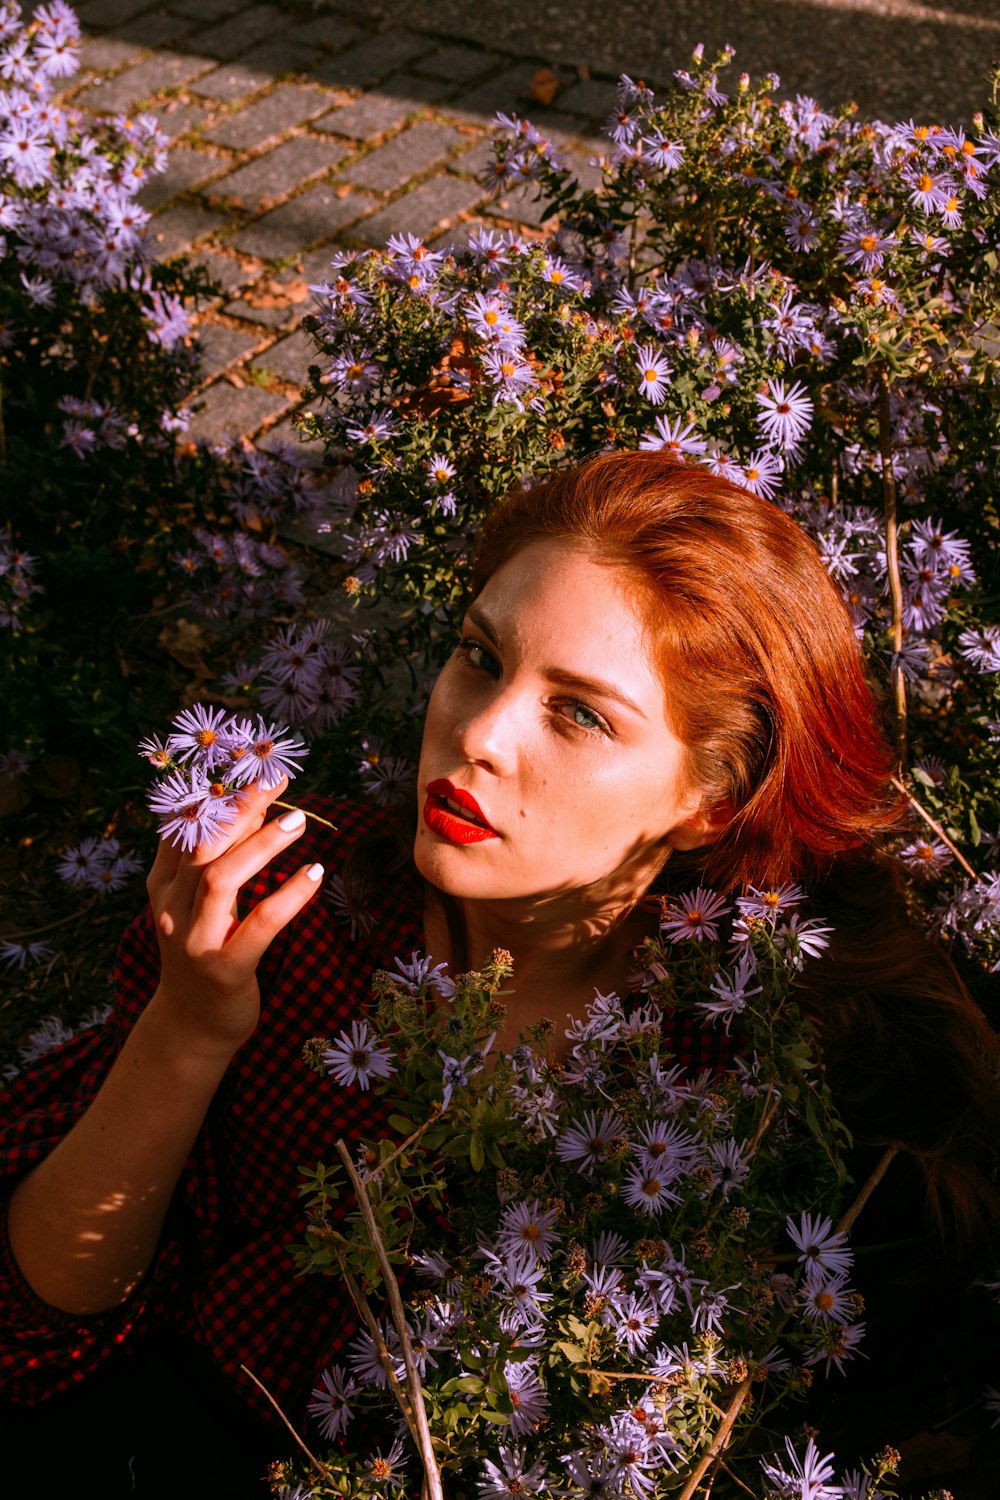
column 455, row 815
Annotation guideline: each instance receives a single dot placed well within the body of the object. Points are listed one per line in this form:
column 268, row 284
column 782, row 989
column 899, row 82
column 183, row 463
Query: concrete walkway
column 297, row 129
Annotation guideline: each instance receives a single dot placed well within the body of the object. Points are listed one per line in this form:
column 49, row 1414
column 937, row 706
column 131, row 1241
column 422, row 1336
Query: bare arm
column 84, row 1224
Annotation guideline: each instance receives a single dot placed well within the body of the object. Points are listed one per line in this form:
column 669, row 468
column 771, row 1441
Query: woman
column 654, row 672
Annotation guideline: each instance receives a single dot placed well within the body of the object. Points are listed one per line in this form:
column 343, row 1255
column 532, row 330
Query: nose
column 489, row 734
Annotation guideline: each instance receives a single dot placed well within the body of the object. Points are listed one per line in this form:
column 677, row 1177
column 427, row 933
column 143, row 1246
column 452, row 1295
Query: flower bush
column 801, row 301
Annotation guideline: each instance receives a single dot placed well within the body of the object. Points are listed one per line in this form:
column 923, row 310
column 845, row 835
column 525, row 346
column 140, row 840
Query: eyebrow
column 589, row 685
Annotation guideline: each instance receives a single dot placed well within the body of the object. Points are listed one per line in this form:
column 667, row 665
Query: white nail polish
column 315, row 872
column 292, row 820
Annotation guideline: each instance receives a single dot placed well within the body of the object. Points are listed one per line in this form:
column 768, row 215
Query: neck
column 560, row 956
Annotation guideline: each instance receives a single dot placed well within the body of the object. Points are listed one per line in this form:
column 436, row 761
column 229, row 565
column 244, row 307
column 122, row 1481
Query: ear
column 703, row 826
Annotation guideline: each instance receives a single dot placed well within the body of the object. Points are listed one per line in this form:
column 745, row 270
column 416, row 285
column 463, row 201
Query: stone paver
column 221, row 347
column 110, row 12
column 176, row 228
column 277, row 172
column 205, row 10
column 458, row 64
column 328, row 31
column 590, row 97
column 507, row 91
column 185, row 169
column 371, row 115
column 268, row 117
column 176, row 117
column 231, row 82
column 165, row 70
column 229, row 274
column 238, row 32
column 102, row 53
column 388, row 167
column 284, row 434
column 421, row 211
column 290, row 357
column 315, row 215
column 224, row 411
column 372, row 60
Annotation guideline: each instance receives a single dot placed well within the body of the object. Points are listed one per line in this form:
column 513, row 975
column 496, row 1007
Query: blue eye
column 581, row 714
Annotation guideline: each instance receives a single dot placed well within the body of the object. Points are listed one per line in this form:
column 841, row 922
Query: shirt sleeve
column 44, row 1350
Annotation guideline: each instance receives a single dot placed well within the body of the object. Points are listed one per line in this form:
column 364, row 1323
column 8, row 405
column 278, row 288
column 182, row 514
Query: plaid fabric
column 223, row 1275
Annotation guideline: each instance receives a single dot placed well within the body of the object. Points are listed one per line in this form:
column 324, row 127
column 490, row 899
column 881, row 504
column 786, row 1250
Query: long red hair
column 765, row 684
column 763, row 674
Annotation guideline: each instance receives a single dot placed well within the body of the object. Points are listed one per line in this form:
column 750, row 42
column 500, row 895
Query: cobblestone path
column 297, row 129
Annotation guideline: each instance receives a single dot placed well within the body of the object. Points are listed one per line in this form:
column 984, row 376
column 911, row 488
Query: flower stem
column 315, row 816
column 432, row 1474
column 892, row 561
column 320, row 1468
column 936, row 827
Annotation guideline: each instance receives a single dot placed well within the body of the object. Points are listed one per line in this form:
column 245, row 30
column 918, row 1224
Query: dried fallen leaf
column 544, row 86
column 929, row 1454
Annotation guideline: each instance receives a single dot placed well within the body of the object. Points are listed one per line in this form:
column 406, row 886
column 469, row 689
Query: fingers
column 251, row 810
column 254, row 934
column 220, row 880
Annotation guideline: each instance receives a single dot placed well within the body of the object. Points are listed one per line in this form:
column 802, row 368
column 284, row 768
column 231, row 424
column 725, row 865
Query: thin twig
column 892, row 560
column 720, row 1440
column 321, row 1468
column 431, row 1471
column 932, row 824
column 881, row 1167
column 764, row 1123
column 381, row 1348
column 737, row 1480
column 410, row 1141
column 315, row 816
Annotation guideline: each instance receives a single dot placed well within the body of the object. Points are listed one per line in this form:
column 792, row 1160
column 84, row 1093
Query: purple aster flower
column 695, row 915
column 929, row 191
column 926, row 858
column 19, row 955
column 527, row 1396
column 824, row 1251
column 259, row 753
column 329, row 1404
column 653, row 372
column 731, row 989
column 357, row 1056
column 828, row 1301
column 587, row 1142
column 786, row 414
column 509, row 1478
column 528, row 1226
column 864, row 246
column 728, row 1165
column 836, row 1344
column 511, row 375
column 762, row 474
column 188, row 812
column 674, row 435
column 199, row 734
column 378, row 427
column 647, row 1189
column 808, row 1478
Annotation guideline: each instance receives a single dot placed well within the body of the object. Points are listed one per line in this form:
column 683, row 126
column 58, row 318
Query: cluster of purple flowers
column 204, row 763
column 98, row 864
column 304, row 676
column 68, row 207
column 643, row 1291
column 17, row 583
column 233, row 573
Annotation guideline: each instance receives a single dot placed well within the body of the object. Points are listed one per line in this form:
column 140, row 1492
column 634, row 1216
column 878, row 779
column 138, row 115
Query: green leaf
column 477, row 1156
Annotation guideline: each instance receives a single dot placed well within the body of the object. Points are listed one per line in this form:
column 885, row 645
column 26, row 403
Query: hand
column 208, row 1003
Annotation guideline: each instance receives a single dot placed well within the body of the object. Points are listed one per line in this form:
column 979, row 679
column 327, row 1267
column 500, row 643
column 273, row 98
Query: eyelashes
column 566, row 711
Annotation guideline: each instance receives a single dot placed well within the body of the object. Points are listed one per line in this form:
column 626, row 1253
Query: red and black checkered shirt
column 223, row 1274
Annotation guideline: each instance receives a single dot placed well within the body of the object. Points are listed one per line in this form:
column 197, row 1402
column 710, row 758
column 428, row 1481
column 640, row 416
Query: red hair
column 763, row 673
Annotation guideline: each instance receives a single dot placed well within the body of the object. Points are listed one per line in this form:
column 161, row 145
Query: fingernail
column 292, row 820
column 315, row 872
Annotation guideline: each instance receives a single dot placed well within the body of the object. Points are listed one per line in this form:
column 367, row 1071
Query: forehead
column 559, row 599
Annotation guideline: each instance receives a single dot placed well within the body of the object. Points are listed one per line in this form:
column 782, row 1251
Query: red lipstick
column 461, row 822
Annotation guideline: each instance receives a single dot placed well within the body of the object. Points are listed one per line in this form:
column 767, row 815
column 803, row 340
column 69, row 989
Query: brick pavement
column 295, row 132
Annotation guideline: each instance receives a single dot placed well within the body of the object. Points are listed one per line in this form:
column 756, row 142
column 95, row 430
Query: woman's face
column 551, row 717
